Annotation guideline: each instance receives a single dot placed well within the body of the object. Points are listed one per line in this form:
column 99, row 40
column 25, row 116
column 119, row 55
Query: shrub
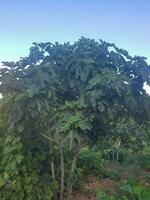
column 141, row 159
column 134, row 191
column 101, row 195
column 91, row 162
column 20, row 177
column 127, row 191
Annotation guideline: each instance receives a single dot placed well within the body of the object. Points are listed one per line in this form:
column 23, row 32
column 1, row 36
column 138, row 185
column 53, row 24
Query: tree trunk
column 113, row 155
column 53, row 176
column 52, row 165
column 52, row 159
column 62, row 170
column 71, row 173
column 117, row 157
column 53, row 169
column 71, row 140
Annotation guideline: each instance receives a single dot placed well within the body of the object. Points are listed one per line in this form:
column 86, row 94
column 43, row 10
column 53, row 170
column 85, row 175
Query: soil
column 92, row 183
column 83, row 196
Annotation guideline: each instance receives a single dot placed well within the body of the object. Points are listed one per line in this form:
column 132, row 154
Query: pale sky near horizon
column 125, row 23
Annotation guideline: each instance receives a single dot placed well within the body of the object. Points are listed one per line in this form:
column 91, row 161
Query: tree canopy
column 91, row 82
column 76, row 91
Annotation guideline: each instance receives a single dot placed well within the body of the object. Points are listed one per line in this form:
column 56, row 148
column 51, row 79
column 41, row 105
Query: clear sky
column 124, row 22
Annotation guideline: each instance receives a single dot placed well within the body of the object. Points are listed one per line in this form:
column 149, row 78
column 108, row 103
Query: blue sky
column 22, row 22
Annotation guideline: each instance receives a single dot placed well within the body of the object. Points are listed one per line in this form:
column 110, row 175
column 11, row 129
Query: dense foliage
column 59, row 99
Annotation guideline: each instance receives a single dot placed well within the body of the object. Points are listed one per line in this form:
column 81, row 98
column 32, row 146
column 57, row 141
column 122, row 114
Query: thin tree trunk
column 71, row 140
column 52, row 165
column 71, row 173
column 52, row 140
column 52, row 160
column 117, row 158
column 53, row 169
column 113, row 155
column 62, row 169
column 53, row 176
